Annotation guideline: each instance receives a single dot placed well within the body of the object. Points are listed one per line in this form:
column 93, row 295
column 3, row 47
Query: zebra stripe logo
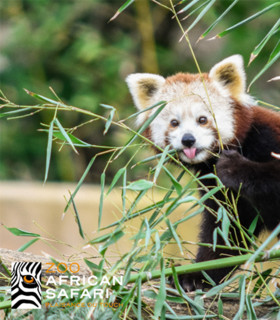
column 26, row 285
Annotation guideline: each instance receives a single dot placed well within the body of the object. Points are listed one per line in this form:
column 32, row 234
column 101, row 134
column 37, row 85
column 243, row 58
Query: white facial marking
column 186, row 104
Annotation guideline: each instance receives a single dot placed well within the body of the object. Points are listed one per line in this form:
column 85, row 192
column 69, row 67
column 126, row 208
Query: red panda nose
column 188, row 140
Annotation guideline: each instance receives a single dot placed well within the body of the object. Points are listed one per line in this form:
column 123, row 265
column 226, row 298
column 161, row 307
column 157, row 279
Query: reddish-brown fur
column 186, row 78
column 269, row 118
column 243, row 120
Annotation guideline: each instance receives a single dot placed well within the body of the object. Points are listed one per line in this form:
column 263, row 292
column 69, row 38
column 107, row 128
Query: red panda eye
column 202, row 120
column 174, row 123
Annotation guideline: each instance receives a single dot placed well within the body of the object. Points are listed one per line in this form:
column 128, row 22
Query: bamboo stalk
column 207, row 265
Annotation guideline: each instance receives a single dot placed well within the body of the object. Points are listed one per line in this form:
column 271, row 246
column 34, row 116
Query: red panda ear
column 231, row 75
column 142, row 87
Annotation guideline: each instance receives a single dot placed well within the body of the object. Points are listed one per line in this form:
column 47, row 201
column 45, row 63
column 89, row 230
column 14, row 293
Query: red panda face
column 199, row 113
column 187, row 122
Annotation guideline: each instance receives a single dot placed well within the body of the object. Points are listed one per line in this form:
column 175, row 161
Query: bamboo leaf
column 171, row 152
column 135, row 202
column 196, row 9
column 157, row 242
column 220, row 308
column 65, row 134
column 49, row 150
column 271, row 237
column 224, row 236
column 193, row 214
column 216, row 290
column 140, row 185
column 45, row 99
column 121, row 9
column 201, row 14
column 100, row 239
column 174, row 234
column 114, row 237
column 80, row 183
column 116, row 178
column 160, row 164
column 102, row 185
column 264, row 276
column 76, row 142
column 78, row 218
column 275, row 54
column 175, row 279
column 126, row 299
column 147, row 233
column 162, row 292
column 212, row 26
column 254, row 16
column 139, row 235
column 91, row 265
column 19, row 232
column 110, row 118
column 242, row 292
column 27, row 245
column 124, row 193
column 251, row 314
column 210, row 194
column 97, row 270
column 144, row 110
column 175, row 203
column 193, row 2
column 142, row 128
column 199, row 310
column 225, row 224
column 166, row 199
column 261, row 45
column 8, row 113
column 215, row 239
column 253, row 225
column 157, row 205
column 175, row 183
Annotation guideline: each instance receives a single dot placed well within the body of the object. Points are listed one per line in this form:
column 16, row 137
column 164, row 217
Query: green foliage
column 71, row 47
column 64, row 47
column 145, row 260
column 68, row 46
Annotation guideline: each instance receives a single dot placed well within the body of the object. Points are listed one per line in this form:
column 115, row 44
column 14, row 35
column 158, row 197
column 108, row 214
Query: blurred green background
column 71, row 47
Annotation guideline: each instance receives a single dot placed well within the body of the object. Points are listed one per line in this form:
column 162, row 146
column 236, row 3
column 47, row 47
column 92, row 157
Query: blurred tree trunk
column 146, row 29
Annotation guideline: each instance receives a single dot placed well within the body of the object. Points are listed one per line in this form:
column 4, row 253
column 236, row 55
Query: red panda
column 203, row 113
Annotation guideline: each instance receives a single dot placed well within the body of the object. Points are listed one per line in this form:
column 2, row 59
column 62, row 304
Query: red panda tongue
column 190, row 152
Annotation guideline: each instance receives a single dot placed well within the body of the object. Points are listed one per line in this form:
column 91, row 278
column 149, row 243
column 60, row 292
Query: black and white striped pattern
column 26, row 285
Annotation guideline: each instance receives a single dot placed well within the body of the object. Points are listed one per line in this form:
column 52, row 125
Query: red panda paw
column 190, row 282
column 231, row 169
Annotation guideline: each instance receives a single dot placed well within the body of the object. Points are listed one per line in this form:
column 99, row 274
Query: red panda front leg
column 254, row 178
column 259, row 185
column 192, row 281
